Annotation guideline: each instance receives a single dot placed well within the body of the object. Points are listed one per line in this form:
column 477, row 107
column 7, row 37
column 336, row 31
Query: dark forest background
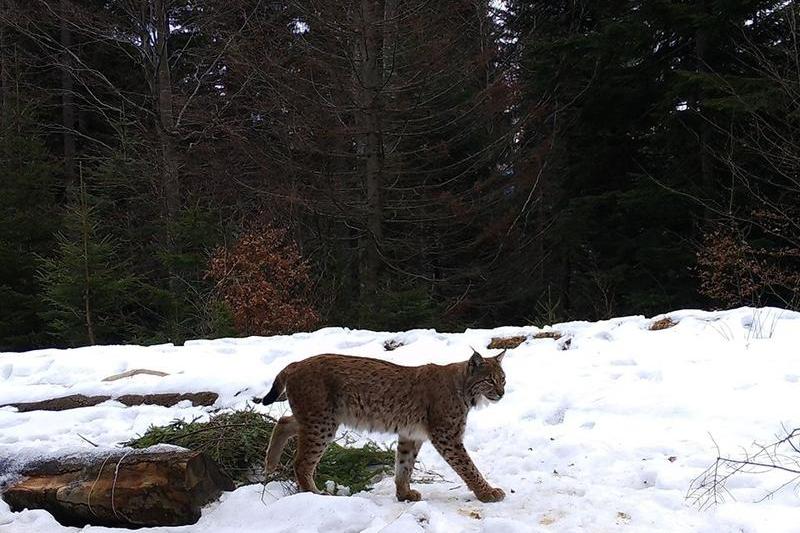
column 175, row 169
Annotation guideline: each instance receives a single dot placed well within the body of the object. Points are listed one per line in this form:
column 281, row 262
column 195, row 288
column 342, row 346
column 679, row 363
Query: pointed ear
column 500, row 356
column 475, row 362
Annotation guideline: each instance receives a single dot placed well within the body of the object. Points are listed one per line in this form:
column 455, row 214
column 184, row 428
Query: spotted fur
column 419, row 403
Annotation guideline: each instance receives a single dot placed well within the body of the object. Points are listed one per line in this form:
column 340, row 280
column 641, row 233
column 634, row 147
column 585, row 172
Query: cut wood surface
column 121, row 488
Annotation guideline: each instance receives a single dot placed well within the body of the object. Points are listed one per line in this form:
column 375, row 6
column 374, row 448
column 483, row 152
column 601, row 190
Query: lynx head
column 485, row 378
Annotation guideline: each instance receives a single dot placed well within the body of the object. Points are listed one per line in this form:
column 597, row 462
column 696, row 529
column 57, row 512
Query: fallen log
column 169, row 399
column 506, row 342
column 74, row 401
column 130, row 488
column 136, row 372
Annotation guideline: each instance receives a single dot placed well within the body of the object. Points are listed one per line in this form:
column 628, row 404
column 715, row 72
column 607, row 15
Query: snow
column 605, row 435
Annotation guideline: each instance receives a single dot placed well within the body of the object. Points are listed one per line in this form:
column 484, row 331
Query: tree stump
column 123, row 488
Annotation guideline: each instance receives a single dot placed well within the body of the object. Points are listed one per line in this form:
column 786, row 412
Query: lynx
column 428, row 402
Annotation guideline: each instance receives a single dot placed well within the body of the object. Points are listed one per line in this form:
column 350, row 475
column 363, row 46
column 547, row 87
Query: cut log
column 506, row 342
column 169, row 399
column 74, row 401
column 131, row 489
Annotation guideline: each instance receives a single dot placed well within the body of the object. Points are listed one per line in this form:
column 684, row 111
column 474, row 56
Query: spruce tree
column 87, row 290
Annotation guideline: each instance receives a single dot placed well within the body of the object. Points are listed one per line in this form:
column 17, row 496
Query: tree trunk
column 67, row 96
column 120, row 488
column 371, row 85
column 87, row 278
column 170, row 185
column 704, row 134
column 5, row 112
column 166, row 121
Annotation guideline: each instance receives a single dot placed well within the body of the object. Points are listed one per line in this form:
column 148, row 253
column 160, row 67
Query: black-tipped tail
column 275, row 393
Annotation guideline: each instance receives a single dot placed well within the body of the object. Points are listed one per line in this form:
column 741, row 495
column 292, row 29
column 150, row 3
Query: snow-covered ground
column 603, row 433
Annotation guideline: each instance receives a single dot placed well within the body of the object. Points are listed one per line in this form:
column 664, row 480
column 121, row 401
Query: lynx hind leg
column 405, row 457
column 285, row 429
column 312, row 441
column 453, row 451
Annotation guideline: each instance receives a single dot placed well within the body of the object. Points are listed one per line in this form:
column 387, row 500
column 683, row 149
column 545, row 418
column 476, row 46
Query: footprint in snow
column 273, row 355
column 225, row 350
column 557, row 417
column 604, row 335
column 654, row 375
column 647, row 479
column 346, row 345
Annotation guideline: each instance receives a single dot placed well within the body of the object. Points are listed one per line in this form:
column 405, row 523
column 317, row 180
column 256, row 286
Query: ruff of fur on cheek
column 476, row 399
column 480, row 402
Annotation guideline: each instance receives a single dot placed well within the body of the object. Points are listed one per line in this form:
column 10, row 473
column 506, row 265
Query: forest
column 180, row 169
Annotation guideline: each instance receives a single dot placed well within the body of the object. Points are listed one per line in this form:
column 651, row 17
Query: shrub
column 264, row 281
column 736, row 269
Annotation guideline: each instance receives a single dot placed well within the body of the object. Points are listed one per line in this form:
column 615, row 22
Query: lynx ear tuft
column 500, row 356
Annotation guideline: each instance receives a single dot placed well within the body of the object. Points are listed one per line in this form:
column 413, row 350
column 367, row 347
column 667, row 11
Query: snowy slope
column 581, row 441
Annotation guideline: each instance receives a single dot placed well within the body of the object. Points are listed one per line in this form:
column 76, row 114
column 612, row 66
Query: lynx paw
column 410, row 496
column 492, row 495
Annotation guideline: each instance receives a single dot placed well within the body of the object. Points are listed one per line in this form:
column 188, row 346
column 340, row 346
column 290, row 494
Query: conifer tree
column 85, row 286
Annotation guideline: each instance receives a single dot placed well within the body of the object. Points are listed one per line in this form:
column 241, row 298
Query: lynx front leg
column 457, row 457
column 311, row 444
column 407, row 451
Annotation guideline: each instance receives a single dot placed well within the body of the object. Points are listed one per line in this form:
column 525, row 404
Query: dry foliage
column 548, row 335
column 506, row 343
column 734, row 272
column 663, row 323
column 265, row 283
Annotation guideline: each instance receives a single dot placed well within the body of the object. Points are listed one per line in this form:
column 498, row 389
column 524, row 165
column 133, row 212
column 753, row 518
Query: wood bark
column 122, row 488
column 702, row 52
column 5, row 112
column 87, row 278
column 166, row 124
column 67, row 95
column 75, row 401
column 371, row 86
column 167, row 143
column 136, row 372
